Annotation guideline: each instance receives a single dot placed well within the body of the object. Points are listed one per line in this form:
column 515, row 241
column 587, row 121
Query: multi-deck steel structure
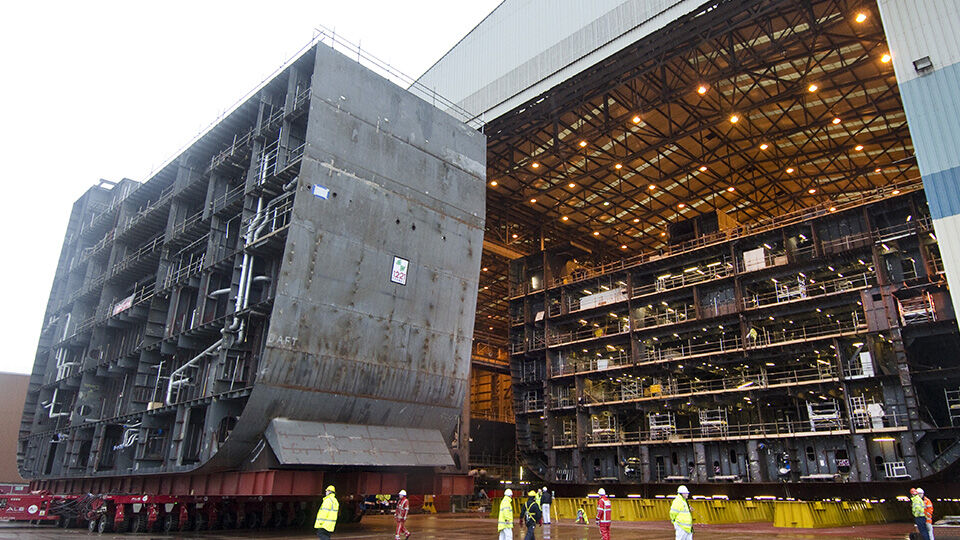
column 801, row 349
column 293, row 291
column 714, row 237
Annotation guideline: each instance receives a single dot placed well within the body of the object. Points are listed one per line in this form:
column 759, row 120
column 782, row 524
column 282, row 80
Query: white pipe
column 218, row 292
column 53, row 404
column 177, row 379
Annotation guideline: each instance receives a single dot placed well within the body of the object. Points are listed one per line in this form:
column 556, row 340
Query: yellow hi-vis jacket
column 327, row 515
column 505, row 521
column 916, row 506
column 680, row 513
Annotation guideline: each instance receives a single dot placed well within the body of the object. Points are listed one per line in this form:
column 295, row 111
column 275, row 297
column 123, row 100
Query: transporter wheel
column 67, row 523
column 228, row 520
column 199, row 522
column 299, row 519
column 169, row 523
column 137, row 524
column 252, row 520
column 92, row 525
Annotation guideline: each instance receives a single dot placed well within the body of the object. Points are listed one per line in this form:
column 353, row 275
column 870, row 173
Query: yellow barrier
column 704, row 511
column 787, row 514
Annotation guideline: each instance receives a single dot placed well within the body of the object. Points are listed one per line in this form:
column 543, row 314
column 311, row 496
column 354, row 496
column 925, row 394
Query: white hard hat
column 508, row 493
column 544, row 488
column 683, row 490
column 403, row 493
column 601, row 491
column 919, row 491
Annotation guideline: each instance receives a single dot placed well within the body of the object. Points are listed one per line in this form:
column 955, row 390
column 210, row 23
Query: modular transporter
column 288, row 303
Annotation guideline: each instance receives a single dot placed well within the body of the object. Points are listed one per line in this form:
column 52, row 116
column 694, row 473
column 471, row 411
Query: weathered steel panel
column 384, row 175
column 322, row 443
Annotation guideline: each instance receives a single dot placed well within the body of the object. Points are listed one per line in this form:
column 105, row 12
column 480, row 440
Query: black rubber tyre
column 92, row 525
column 170, row 523
column 199, row 522
column 252, row 520
column 104, row 524
column 228, row 521
column 137, row 523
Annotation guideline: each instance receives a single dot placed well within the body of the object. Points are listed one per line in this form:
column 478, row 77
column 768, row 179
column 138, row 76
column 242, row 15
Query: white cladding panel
column 525, row 47
column 918, row 28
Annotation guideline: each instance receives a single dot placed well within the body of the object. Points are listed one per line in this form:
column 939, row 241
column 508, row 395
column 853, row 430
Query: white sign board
column 399, row 273
column 123, row 305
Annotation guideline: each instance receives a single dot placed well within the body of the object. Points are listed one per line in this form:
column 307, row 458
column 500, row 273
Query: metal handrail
column 742, row 231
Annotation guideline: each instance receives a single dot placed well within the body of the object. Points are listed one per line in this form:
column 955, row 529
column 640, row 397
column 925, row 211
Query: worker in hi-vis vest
column 327, row 514
column 604, row 514
column 680, row 515
column 505, row 518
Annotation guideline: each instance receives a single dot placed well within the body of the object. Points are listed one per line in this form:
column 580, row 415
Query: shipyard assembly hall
column 642, row 244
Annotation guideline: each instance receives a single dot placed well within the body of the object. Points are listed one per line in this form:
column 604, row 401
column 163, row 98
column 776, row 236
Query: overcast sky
column 112, row 89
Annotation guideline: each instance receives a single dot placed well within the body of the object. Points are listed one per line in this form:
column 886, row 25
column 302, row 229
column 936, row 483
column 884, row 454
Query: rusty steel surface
column 345, row 343
column 471, row 526
column 318, row 443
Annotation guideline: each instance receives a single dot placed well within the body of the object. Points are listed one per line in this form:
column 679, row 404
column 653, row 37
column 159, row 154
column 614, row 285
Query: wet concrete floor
column 472, row 526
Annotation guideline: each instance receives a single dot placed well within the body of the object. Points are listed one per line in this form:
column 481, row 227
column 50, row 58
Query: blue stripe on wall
column 943, row 192
column 933, row 115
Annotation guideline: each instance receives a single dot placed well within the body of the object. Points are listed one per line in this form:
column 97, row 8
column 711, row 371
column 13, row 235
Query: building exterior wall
column 525, row 47
column 928, row 28
column 13, row 391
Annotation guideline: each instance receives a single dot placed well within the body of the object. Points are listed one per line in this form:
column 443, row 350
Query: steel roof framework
column 613, row 156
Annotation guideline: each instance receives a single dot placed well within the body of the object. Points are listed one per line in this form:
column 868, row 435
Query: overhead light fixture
column 571, row 185
column 618, row 166
column 703, row 168
column 651, row 187
column 583, row 144
column 731, row 189
column 623, row 246
column 886, row 58
column 535, row 165
column 764, row 146
column 860, row 17
column 485, row 269
column 663, row 233
column 812, row 88
column 636, row 119
column 596, row 233
column 834, row 209
column 790, row 170
column 858, row 147
column 533, row 201
column 812, row 191
column 896, row 192
column 514, row 235
column 734, row 118
column 835, row 121
column 923, row 65
column 702, row 89
column 493, row 183
column 564, row 218
column 606, row 203
column 681, row 206
column 878, row 169
column 636, row 220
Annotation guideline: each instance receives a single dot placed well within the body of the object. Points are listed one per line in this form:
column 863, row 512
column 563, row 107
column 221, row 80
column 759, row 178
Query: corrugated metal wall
column 525, row 47
column 929, row 28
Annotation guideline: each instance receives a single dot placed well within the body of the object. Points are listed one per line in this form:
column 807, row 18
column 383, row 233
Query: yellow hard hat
column 331, row 489
column 531, row 493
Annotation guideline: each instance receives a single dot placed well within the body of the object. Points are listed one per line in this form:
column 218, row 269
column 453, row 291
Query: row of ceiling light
column 734, row 118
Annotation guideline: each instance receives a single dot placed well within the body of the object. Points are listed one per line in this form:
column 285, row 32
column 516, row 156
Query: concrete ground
column 464, row 527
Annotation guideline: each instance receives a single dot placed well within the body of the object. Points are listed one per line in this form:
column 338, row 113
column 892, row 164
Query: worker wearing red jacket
column 604, row 514
column 403, row 508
